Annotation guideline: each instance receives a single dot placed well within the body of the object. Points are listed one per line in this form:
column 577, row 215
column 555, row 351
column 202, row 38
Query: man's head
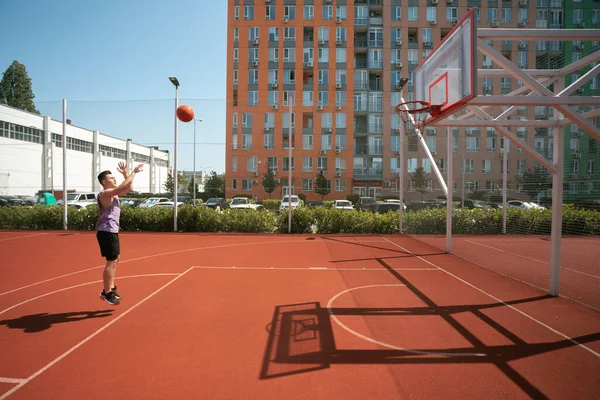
column 107, row 180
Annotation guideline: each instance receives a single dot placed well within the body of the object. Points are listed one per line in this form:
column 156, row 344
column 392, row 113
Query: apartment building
column 582, row 153
column 339, row 64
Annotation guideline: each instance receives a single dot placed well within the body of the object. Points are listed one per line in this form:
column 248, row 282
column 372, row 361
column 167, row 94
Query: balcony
column 377, row 21
column 361, row 85
column 375, row 64
column 375, row 173
column 360, row 21
column 366, row 150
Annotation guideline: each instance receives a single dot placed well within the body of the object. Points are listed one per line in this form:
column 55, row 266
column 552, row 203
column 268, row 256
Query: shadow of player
column 40, row 322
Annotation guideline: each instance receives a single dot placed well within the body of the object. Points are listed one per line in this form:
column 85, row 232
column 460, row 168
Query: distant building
column 342, row 63
column 31, row 156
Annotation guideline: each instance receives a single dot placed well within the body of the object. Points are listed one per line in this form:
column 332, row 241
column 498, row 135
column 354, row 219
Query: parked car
column 342, row 205
column 80, row 205
column 167, row 204
column 244, row 203
column 382, row 208
column 395, row 201
column 130, row 202
column 213, row 202
column 151, row 201
column 88, row 197
column 523, row 205
column 287, row 201
column 316, row 203
column 363, row 203
column 423, row 205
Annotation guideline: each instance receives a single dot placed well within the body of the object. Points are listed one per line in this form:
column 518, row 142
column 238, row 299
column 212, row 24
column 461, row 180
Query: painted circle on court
column 389, row 311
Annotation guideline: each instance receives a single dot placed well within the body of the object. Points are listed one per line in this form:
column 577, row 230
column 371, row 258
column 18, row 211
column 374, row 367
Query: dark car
column 382, row 208
column 316, row 203
column 364, row 203
column 213, row 202
column 423, row 205
column 130, row 202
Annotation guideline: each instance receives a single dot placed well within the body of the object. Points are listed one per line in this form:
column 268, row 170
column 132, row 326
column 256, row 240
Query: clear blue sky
column 111, row 60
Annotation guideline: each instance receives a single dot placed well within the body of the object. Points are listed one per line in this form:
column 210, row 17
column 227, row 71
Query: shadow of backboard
column 300, row 340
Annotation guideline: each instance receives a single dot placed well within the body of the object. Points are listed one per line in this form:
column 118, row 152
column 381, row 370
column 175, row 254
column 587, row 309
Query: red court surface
column 527, row 258
column 281, row 316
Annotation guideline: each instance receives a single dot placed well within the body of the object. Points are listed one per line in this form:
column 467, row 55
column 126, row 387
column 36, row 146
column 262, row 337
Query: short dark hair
column 102, row 175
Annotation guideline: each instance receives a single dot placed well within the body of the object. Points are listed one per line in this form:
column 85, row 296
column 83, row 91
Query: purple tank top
column 109, row 217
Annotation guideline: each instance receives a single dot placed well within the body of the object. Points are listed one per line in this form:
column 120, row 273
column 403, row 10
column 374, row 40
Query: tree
column 15, row 88
column 321, row 185
column 215, row 184
column 535, row 181
column 191, row 187
column 269, row 184
column 169, row 183
column 419, row 180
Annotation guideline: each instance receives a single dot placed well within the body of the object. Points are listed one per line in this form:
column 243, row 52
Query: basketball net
column 420, row 110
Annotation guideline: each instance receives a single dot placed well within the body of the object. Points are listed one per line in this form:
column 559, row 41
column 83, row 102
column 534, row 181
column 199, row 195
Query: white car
column 166, row 204
column 292, row 200
column 80, row 205
column 343, row 205
column 73, row 198
column 523, row 205
column 395, row 201
column 152, row 201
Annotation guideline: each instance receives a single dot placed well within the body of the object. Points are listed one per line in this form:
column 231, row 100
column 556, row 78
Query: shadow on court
column 300, row 339
column 43, row 321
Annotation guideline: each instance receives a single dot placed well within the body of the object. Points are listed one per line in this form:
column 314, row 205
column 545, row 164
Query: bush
column 271, row 205
column 302, row 220
column 321, row 220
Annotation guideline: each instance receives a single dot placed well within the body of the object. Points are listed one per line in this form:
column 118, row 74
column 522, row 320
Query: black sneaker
column 110, row 298
column 114, row 290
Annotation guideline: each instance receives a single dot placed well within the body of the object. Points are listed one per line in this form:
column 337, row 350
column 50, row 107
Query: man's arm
column 123, row 188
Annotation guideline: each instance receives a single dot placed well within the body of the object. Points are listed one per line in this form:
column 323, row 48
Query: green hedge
column 321, row 220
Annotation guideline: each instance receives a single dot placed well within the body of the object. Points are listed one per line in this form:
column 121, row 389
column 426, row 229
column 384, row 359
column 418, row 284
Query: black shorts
column 109, row 245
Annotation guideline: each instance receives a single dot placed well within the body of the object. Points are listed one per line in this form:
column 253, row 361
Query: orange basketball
column 185, row 113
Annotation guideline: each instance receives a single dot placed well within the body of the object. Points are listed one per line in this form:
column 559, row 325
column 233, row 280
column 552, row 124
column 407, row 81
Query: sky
column 112, row 59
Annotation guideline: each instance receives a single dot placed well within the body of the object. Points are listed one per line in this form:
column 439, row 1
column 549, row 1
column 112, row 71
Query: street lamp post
column 175, row 82
column 402, row 83
column 194, row 174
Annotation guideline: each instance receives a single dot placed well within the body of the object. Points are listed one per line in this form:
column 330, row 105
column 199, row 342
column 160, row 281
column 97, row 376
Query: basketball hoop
column 419, row 109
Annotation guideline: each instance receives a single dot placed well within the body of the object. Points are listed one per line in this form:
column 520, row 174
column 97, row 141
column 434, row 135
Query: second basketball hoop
column 420, row 111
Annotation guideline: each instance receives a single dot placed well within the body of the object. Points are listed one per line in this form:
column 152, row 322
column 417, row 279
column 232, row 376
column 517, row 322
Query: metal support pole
column 505, row 182
column 194, row 173
column 449, row 196
column 401, row 175
column 175, row 163
column 290, row 167
column 462, row 174
column 64, row 150
column 557, row 202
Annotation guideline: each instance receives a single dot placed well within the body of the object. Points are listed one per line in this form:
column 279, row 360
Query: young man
column 107, row 227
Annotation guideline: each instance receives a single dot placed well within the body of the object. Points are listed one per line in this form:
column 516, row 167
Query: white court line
column 383, row 344
column 150, row 256
column 10, row 380
column 72, row 349
column 533, row 259
column 575, row 342
column 313, row 268
column 21, row 237
column 80, row 285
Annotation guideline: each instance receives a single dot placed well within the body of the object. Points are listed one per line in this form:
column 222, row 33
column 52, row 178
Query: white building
column 31, row 156
column 201, row 177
